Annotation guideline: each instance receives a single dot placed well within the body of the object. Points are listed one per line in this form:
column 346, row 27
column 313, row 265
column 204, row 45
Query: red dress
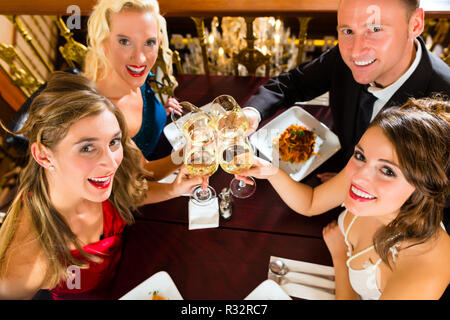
column 109, row 248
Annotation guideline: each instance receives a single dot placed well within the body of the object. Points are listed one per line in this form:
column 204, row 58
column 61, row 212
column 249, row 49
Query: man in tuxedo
column 380, row 62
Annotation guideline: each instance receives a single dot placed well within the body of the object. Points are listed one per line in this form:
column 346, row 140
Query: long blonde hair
column 96, row 65
column 66, row 99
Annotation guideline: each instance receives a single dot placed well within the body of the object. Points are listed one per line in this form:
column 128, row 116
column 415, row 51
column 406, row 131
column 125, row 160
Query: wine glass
column 229, row 120
column 201, row 160
column 236, row 155
column 194, row 123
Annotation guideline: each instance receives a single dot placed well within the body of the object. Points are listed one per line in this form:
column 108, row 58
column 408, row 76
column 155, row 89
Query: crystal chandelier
column 225, row 39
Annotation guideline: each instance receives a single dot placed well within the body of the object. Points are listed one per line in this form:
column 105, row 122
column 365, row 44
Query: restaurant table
column 230, row 261
column 264, row 211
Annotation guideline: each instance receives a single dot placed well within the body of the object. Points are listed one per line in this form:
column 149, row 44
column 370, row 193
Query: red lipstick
column 101, row 182
column 359, row 194
column 133, row 72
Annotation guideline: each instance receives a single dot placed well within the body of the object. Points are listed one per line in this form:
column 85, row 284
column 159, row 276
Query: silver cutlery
column 278, row 267
column 282, row 275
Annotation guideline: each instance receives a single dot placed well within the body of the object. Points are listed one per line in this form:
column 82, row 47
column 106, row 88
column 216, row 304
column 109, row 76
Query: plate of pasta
column 296, row 142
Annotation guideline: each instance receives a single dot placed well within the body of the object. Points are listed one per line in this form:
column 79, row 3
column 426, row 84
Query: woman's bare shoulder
column 436, row 249
column 26, row 261
column 421, row 271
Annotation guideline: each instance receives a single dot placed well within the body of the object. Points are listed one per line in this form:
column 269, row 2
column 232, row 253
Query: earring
column 51, row 168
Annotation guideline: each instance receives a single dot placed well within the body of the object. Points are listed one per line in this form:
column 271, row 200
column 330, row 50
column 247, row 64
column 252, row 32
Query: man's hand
column 252, row 118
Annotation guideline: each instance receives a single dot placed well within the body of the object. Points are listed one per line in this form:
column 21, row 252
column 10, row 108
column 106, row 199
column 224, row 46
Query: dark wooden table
column 227, row 262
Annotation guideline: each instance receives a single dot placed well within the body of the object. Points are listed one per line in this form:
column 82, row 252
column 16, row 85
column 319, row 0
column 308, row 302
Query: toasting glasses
column 236, row 152
column 226, row 126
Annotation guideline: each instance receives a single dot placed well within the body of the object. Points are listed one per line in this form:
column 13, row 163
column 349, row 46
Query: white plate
column 175, row 136
column 327, row 143
column 268, row 290
column 160, row 282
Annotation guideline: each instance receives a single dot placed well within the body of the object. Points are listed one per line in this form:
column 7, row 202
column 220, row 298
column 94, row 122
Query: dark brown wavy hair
column 420, row 133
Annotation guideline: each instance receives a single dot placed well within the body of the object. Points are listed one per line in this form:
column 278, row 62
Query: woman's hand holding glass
column 236, row 156
column 185, row 182
column 260, row 169
column 200, row 159
column 172, row 106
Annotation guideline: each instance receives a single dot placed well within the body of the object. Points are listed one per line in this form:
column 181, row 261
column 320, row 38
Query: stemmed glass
column 236, row 155
column 194, row 123
column 228, row 118
column 200, row 159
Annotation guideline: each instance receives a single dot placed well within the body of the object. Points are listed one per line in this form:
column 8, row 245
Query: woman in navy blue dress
column 123, row 40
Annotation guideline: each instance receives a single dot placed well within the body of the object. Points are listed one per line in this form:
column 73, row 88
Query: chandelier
column 225, row 39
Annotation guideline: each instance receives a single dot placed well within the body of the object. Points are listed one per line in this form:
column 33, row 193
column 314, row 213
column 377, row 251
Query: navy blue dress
column 153, row 121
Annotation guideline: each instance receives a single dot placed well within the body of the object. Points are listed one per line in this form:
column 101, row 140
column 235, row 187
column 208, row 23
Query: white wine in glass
column 229, row 120
column 201, row 160
column 194, row 123
column 236, row 156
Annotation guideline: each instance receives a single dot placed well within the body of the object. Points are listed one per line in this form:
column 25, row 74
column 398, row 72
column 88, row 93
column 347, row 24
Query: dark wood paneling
column 10, row 93
column 6, row 112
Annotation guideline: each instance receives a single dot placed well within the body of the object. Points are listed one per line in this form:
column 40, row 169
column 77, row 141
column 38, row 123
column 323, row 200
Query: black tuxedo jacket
column 329, row 73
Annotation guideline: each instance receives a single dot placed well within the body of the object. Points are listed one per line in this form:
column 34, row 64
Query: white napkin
column 170, row 178
column 203, row 216
column 306, row 280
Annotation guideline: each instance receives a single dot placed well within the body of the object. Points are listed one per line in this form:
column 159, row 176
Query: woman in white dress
column 389, row 243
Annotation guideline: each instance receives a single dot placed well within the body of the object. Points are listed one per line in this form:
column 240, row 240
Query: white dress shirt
column 383, row 95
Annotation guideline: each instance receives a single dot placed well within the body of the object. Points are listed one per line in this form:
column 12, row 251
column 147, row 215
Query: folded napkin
column 306, row 280
column 202, row 216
